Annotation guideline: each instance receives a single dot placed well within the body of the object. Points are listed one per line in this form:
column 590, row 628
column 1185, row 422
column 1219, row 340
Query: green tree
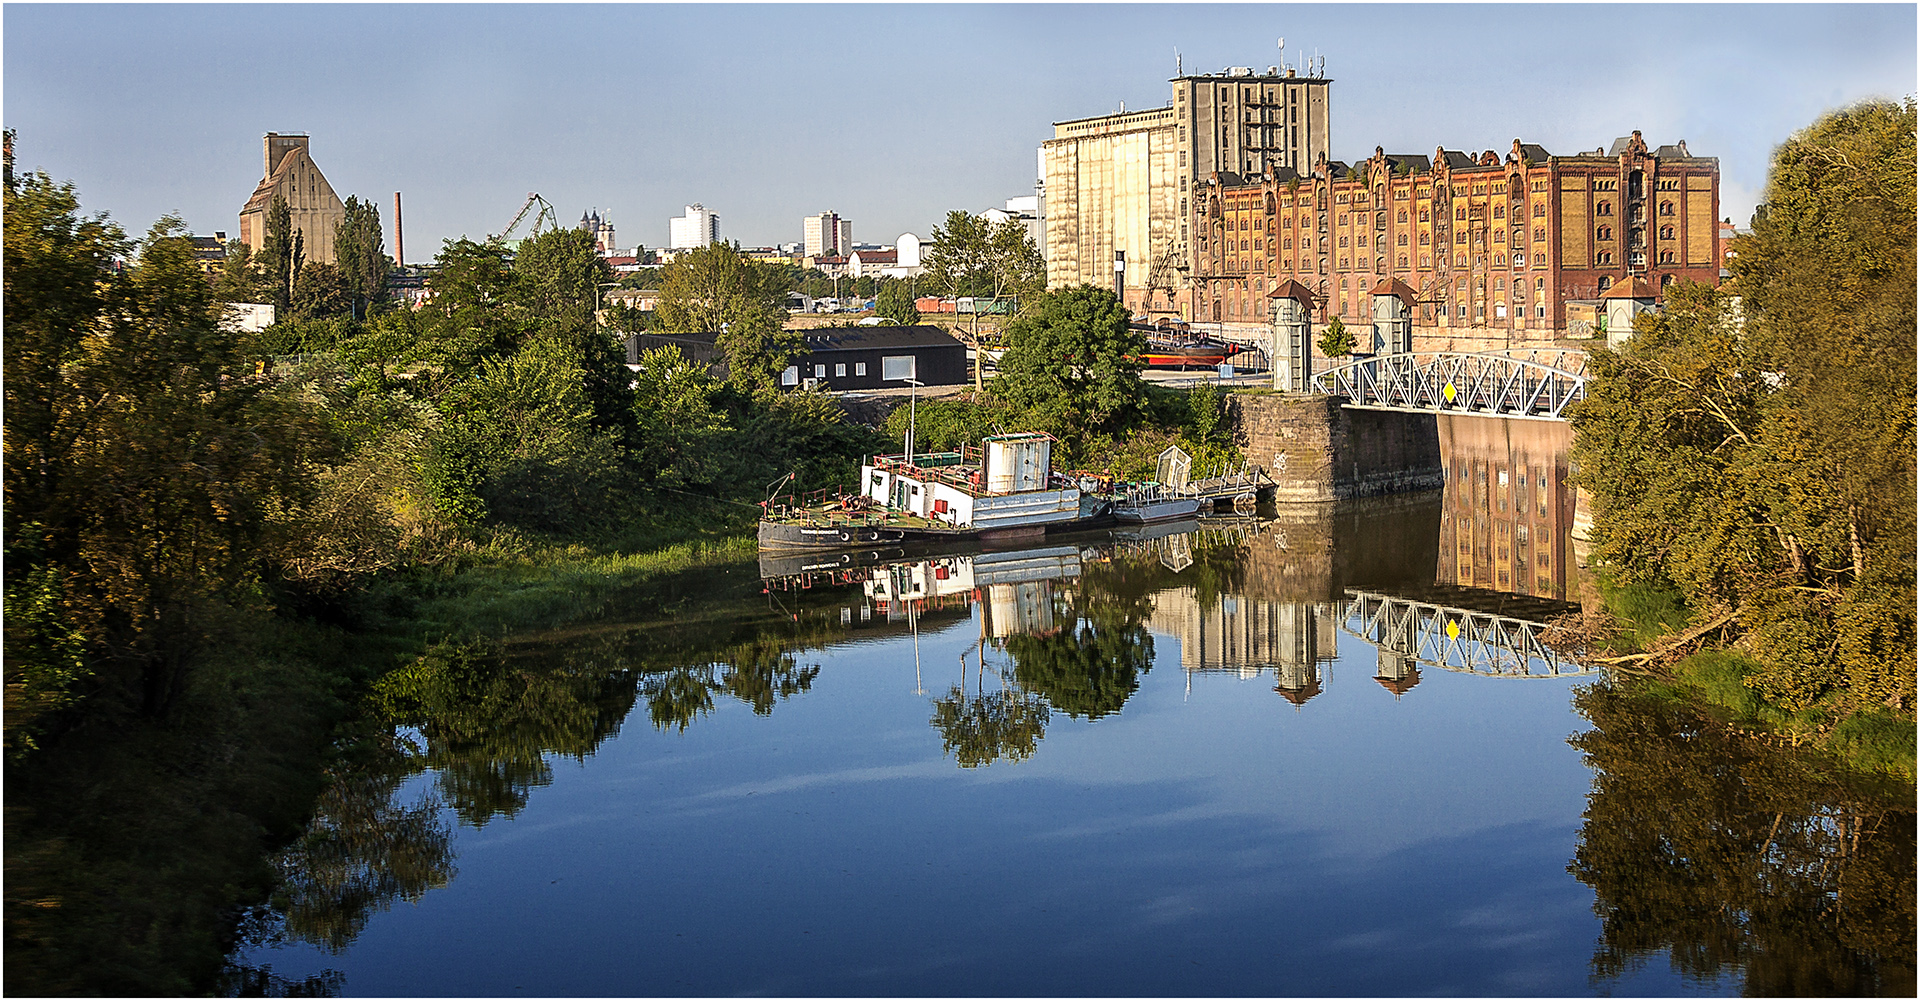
column 1336, row 341
column 240, row 277
column 718, row 290
column 282, row 253
column 517, row 446
column 320, row 292
column 156, row 465
column 896, row 303
column 971, row 256
column 1765, row 464
column 465, row 321
column 1073, row 362
column 357, row 251
column 557, row 280
column 684, row 433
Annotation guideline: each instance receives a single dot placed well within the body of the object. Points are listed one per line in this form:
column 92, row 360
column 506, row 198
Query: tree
column 282, row 252
column 896, row 303
column 1764, row 463
column 971, row 256
column 717, row 290
column 357, row 252
column 465, row 322
column 240, row 275
column 153, row 464
column 1336, row 341
column 1073, row 361
column 320, row 292
column 557, row 280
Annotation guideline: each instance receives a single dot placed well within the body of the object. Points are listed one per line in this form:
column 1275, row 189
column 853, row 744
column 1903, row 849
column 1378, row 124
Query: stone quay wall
column 1315, row 450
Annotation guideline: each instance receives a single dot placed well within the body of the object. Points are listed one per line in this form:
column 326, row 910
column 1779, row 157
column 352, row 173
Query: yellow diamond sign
column 1448, row 392
column 1453, row 625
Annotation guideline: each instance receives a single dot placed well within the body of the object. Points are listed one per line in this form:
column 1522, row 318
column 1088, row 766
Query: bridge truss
column 1455, row 639
column 1530, row 384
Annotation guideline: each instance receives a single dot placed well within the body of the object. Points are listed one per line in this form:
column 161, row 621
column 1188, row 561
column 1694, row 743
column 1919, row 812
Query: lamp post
column 913, row 414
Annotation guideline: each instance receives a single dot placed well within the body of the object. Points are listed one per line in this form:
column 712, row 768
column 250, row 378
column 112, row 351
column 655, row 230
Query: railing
column 1534, row 384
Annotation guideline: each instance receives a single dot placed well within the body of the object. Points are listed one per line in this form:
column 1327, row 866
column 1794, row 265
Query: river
column 1305, row 753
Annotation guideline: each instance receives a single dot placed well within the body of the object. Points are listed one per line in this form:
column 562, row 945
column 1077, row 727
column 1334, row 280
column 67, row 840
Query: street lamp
column 913, row 413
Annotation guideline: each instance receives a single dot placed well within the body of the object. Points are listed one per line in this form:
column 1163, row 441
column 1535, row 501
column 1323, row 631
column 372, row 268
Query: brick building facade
column 1497, row 247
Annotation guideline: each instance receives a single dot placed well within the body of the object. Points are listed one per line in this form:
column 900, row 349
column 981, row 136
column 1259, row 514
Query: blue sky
column 889, row 114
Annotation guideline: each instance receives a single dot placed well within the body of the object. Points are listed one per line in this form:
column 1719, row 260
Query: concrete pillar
column 1392, row 321
column 1291, row 317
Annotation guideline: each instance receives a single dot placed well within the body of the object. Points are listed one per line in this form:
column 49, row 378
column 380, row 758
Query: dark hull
column 1162, row 355
column 781, row 537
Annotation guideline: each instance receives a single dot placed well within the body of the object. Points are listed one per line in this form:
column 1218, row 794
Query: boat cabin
column 1007, row 483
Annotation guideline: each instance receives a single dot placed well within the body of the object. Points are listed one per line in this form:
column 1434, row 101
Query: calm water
column 1173, row 766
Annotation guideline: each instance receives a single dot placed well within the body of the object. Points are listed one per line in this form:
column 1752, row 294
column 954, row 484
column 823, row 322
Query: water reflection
column 1722, row 854
column 1729, row 854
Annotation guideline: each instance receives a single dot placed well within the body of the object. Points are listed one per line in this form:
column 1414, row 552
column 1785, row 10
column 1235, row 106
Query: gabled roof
column 1291, row 289
column 1534, row 152
column 1396, row 288
column 263, row 192
column 1457, row 160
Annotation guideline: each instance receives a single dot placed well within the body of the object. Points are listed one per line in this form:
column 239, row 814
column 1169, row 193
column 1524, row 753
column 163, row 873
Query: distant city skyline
column 640, row 111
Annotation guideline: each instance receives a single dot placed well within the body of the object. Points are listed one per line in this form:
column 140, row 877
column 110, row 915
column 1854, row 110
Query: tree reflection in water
column 363, row 850
column 984, row 727
column 1092, row 664
column 1736, row 856
column 485, row 724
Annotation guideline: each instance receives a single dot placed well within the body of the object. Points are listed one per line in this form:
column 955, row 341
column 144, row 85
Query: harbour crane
column 546, row 215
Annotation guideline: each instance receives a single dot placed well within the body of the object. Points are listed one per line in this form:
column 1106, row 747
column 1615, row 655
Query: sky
column 889, row 114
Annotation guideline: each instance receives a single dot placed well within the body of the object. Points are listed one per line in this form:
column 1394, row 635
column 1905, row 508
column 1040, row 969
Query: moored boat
column 1004, row 490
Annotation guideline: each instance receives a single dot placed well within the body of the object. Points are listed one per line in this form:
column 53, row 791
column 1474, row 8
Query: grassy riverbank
column 1645, row 633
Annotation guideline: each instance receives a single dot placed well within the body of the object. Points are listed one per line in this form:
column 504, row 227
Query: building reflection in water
column 1506, row 523
column 1247, row 637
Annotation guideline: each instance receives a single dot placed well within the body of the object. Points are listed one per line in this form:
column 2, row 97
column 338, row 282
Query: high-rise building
column 826, row 235
column 697, row 228
column 313, row 208
column 1120, row 184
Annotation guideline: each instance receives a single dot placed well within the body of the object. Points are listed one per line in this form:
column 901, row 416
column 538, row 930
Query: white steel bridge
column 1537, row 384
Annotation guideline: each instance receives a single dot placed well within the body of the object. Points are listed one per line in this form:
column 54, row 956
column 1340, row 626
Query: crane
column 546, row 215
column 1165, row 274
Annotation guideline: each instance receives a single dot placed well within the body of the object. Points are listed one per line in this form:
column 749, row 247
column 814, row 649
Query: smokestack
column 399, row 255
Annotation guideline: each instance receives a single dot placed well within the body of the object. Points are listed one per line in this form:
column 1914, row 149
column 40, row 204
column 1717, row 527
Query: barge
column 1007, row 489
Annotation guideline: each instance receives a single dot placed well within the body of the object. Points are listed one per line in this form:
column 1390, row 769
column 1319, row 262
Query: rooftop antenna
column 1176, row 62
column 1283, row 50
